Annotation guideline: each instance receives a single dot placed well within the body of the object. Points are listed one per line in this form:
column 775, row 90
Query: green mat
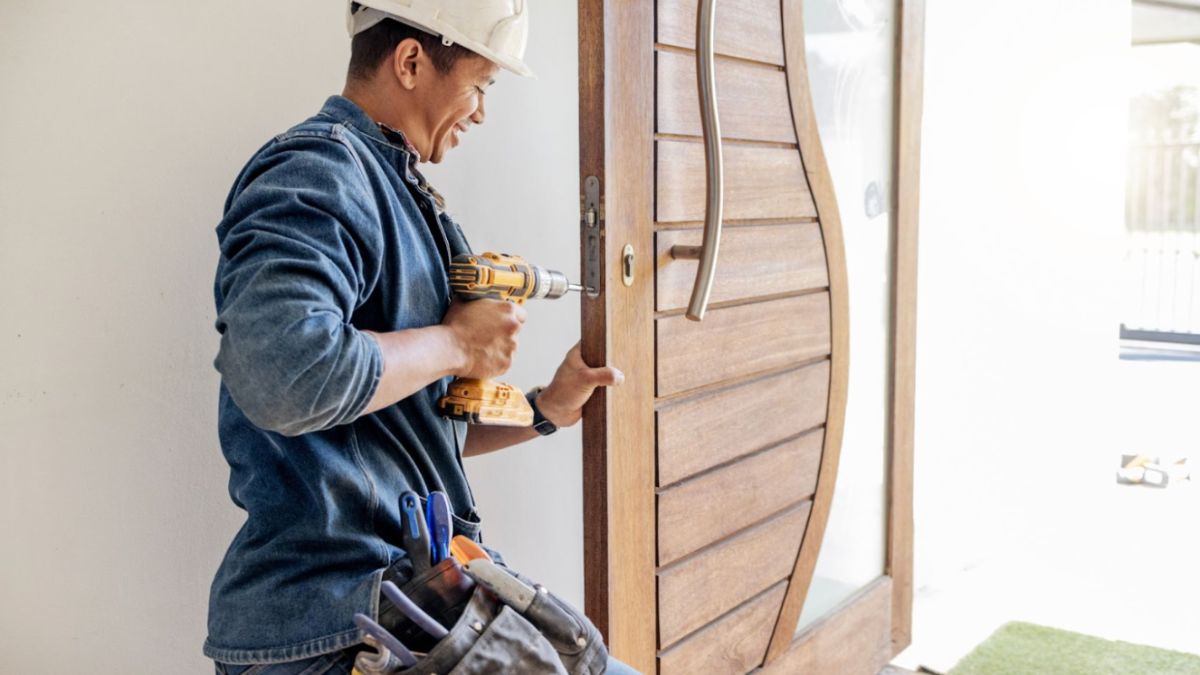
column 1025, row 649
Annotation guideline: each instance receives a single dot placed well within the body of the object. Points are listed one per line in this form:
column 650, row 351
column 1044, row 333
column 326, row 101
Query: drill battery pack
column 486, row 402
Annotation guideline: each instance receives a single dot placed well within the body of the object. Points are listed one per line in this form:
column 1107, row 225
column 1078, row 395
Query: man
column 338, row 337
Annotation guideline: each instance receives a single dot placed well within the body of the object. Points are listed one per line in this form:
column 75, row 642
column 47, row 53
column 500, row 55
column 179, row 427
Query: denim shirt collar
column 347, row 112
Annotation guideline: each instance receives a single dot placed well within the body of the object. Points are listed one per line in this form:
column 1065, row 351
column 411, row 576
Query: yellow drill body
column 496, row 276
column 499, row 276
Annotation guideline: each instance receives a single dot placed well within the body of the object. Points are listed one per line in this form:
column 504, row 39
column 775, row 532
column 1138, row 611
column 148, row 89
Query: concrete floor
column 1114, row 561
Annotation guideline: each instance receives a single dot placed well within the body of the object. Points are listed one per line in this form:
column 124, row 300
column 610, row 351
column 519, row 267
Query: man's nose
column 478, row 116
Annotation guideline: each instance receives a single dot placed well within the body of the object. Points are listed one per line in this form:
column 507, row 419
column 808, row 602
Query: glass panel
column 851, row 53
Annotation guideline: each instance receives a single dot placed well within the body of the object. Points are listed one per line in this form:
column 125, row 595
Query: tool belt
column 488, row 635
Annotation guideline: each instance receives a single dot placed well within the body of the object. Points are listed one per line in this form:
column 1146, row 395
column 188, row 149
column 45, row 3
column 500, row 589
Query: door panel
column 756, row 261
column 699, row 589
column 741, row 340
column 709, row 475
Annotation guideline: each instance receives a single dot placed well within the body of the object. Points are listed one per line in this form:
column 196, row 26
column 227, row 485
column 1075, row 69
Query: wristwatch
column 541, row 425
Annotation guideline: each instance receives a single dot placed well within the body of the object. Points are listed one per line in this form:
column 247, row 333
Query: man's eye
column 480, row 90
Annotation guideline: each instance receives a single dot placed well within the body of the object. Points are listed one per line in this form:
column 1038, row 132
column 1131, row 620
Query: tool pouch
column 443, row 592
column 578, row 642
column 488, row 636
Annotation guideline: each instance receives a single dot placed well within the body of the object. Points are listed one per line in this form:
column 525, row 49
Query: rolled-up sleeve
column 300, row 249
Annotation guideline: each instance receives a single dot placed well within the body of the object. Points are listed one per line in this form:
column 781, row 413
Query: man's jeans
column 341, row 663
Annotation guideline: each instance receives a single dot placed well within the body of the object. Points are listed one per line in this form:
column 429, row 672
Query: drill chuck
column 549, row 284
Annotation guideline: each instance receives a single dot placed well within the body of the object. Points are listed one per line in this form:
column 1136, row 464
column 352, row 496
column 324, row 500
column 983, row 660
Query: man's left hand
column 562, row 400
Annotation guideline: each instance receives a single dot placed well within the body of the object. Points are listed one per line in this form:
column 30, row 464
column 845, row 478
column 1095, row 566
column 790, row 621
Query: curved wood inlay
column 820, row 185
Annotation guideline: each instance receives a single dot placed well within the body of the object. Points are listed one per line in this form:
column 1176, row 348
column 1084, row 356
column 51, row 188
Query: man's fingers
column 575, row 356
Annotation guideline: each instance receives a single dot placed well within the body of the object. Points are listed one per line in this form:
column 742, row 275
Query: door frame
column 619, row 470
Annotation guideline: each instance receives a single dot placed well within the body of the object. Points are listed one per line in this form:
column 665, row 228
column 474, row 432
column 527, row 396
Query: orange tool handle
column 464, row 550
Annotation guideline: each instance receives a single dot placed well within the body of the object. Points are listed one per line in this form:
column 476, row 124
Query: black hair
column 370, row 48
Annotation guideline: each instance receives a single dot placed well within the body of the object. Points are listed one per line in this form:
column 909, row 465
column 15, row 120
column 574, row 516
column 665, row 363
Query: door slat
column 733, row 644
column 754, row 261
column 700, row 589
column 760, row 182
column 696, row 434
column 694, row 514
column 750, row 29
column 752, row 99
column 732, row 341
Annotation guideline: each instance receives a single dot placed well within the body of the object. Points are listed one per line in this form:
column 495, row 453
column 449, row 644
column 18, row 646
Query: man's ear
column 408, row 58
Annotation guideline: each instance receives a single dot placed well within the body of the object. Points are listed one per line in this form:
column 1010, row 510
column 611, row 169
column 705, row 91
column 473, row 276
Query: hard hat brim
column 375, row 11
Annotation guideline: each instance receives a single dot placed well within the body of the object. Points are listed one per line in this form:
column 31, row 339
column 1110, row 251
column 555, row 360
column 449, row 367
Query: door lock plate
column 592, row 226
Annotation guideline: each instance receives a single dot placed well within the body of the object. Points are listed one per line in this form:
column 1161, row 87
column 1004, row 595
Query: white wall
column 1022, row 206
column 122, row 127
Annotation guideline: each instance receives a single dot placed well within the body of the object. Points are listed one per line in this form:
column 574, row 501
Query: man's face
column 452, row 103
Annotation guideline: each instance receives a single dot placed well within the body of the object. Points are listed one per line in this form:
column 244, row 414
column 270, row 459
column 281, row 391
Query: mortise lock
column 627, row 265
column 592, row 227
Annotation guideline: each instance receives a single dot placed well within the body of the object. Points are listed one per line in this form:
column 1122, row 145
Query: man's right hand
column 486, row 333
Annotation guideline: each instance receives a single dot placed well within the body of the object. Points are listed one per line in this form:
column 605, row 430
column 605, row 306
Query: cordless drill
column 497, row 276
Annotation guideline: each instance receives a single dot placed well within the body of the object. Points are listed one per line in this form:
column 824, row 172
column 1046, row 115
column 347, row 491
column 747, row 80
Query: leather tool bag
column 488, row 636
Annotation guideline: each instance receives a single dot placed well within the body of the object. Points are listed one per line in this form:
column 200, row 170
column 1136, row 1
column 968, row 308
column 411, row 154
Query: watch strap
column 543, row 426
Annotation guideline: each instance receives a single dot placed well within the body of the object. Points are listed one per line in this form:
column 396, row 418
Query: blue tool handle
column 437, row 511
column 385, row 639
column 413, row 534
column 413, row 612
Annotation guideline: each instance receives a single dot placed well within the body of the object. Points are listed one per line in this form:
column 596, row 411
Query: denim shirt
column 328, row 231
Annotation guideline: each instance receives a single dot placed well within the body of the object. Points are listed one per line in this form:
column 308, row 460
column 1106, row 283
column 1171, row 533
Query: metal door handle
column 714, row 165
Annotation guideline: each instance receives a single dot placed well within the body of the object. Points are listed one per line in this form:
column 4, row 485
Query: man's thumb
column 606, row 376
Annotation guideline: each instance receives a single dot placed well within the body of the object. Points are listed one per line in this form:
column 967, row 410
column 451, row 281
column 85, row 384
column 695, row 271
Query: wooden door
column 709, row 475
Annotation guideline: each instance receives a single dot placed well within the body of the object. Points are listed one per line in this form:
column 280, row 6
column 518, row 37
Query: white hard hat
column 494, row 29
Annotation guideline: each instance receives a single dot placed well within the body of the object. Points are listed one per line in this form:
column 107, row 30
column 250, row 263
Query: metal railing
column 1162, row 246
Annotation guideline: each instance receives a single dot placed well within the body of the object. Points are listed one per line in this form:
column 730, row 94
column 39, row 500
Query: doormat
column 1026, row 649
